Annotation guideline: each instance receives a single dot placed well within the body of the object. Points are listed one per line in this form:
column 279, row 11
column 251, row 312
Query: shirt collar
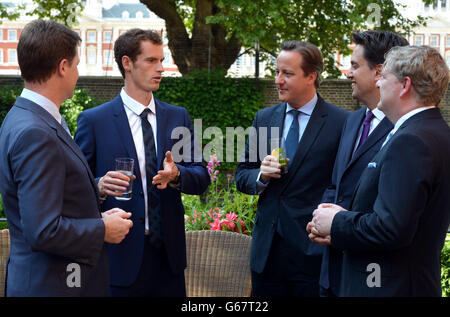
column 377, row 113
column 42, row 101
column 408, row 115
column 307, row 108
column 136, row 106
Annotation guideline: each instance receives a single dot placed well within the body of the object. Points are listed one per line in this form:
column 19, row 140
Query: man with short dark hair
column 362, row 136
column 152, row 259
column 393, row 235
column 283, row 260
column 51, row 200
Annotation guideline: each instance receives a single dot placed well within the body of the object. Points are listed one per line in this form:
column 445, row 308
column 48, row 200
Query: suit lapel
column 161, row 131
column 349, row 139
column 315, row 124
column 123, row 129
column 276, row 123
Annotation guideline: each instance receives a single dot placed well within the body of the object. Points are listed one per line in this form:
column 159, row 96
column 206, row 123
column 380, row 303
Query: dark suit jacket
column 51, row 203
column 400, row 214
column 346, row 173
column 104, row 134
column 293, row 198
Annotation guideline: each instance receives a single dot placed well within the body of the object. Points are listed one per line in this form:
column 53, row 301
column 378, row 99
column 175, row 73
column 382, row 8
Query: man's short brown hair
column 42, row 46
column 312, row 60
column 129, row 44
column 425, row 66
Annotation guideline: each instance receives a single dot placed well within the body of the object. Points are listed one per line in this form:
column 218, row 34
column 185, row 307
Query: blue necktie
column 292, row 136
column 65, row 126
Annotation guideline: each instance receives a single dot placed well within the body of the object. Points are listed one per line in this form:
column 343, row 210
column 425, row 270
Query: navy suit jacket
column 293, row 198
column 346, row 173
column 103, row 134
column 400, row 214
column 52, row 206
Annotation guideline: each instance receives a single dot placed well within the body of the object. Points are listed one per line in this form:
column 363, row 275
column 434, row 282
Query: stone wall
column 335, row 91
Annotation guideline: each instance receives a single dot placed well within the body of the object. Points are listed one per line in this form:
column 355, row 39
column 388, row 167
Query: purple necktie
column 366, row 128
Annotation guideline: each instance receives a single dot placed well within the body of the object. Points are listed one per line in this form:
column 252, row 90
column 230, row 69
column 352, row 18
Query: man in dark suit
column 400, row 211
column 152, row 258
column 50, row 197
column 362, row 136
column 283, row 260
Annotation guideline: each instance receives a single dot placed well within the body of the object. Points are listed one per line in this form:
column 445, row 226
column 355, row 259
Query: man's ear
column 407, row 86
column 126, row 63
column 62, row 67
column 378, row 68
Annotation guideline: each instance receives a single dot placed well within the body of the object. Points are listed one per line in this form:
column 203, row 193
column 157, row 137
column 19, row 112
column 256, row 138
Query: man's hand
column 270, row 168
column 315, row 238
column 113, row 184
column 168, row 174
column 323, row 218
column 117, row 225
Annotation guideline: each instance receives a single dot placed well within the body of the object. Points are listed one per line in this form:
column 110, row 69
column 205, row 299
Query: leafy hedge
column 445, row 268
column 219, row 101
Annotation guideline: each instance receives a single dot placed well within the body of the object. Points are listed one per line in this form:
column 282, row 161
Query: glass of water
column 125, row 166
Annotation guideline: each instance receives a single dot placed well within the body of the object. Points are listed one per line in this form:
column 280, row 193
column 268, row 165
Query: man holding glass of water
column 135, row 125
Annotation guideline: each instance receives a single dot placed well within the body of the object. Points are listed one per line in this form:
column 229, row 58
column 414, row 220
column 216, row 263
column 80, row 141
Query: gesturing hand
column 167, row 174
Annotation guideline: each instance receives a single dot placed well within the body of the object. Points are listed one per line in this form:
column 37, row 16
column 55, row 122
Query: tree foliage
column 200, row 30
column 63, row 11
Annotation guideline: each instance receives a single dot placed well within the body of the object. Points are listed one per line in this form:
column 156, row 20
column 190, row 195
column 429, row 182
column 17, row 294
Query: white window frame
column 89, row 35
column 434, row 36
column 417, row 37
column 105, row 40
column 1, row 56
column 14, row 51
column 90, row 49
column 108, row 61
column 14, row 38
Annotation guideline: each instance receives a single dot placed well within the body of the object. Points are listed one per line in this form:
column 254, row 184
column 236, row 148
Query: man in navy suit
column 400, row 210
column 284, row 262
column 51, row 200
column 362, row 136
column 152, row 258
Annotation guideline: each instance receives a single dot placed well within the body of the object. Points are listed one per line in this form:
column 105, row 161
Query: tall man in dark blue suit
column 51, row 200
column 400, row 211
column 283, row 260
column 362, row 136
column 152, row 259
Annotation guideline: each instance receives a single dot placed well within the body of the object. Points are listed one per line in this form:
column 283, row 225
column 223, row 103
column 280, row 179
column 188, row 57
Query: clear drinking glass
column 125, row 166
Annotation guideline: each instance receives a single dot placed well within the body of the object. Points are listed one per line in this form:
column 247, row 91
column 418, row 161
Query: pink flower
column 216, row 225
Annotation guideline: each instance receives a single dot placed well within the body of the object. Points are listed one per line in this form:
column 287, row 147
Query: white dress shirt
column 303, row 118
column 133, row 110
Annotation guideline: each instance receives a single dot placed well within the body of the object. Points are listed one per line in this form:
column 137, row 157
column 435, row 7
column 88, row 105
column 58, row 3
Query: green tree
column 63, row 11
column 205, row 33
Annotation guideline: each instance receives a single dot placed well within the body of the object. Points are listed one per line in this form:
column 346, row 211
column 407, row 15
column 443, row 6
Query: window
column 12, row 35
column 107, row 57
column 107, row 36
column 434, row 40
column 1, row 35
column 91, row 55
column 1, row 56
column 12, row 56
column 418, row 40
column 443, row 4
column 125, row 15
column 447, row 43
column 91, row 36
column 139, row 15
